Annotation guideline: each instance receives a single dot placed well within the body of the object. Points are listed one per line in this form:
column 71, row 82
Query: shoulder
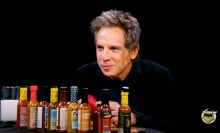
column 88, row 68
column 84, row 74
column 152, row 68
column 91, row 65
column 151, row 65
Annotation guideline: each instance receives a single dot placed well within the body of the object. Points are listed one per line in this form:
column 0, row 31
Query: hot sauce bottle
column 32, row 109
column 106, row 112
column 124, row 112
column 97, row 121
column 84, row 113
column 62, row 111
column 72, row 111
column 52, row 109
column 22, row 109
column 42, row 109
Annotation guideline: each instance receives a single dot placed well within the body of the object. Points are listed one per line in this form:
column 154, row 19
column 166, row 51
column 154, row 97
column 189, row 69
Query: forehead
column 111, row 34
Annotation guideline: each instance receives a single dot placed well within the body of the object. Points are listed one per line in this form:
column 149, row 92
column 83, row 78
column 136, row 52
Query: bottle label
column 85, row 121
column 53, row 119
column 124, row 122
column 63, row 119
column 120, row 130
column 39, row 117
column 106, row 122
column 23, row 116
column 33, row 117
column 74, row 119
column 79, row 119
column 46, row 117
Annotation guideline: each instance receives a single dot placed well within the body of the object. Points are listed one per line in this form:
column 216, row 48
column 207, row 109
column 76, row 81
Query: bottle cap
column 33, row 88
column 125, row 88
column 63, row 88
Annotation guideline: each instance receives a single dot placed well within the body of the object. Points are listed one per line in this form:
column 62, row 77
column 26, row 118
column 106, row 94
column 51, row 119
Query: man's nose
column 105, row 54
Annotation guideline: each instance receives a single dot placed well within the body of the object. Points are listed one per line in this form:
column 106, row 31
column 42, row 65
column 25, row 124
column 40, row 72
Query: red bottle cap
column 33, row 88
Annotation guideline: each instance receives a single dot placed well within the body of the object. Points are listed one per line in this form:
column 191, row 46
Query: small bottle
column 62, row 111
column 72, row 111
column 32, row 109
column 52, row 109
column 42, row 109
column 84, row 113
column 97, row 121
column 106, row 112
column 124, row 112
column 22, row 109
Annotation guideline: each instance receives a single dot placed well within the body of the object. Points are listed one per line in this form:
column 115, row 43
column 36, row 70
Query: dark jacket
column 153, row 95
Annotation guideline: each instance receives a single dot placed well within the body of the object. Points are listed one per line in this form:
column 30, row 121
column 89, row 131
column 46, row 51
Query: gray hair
column 120, row 19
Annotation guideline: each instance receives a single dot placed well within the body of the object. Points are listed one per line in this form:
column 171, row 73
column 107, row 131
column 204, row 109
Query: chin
column 108, row 74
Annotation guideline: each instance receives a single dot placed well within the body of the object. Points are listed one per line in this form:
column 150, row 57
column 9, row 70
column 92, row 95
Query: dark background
column 44, row 46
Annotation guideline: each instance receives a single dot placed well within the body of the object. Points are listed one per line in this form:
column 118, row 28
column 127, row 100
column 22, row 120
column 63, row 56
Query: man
column 152, row 89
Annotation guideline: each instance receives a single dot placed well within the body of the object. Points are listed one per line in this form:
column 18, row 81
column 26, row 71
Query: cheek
column 125, row 58
column 98, row 55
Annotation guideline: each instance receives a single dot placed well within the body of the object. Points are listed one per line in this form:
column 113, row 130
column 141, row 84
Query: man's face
column 113, row 58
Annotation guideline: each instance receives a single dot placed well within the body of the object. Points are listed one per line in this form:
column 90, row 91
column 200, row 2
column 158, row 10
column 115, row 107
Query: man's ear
column 134, row 52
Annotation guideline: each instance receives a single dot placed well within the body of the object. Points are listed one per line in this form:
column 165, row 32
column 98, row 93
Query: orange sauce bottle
column 52, row 109
column 42, row 109
column 124, row 112
column 72, row 111
column 32, row 109
column 62, row 111
column 84, row 114
column 22, row 109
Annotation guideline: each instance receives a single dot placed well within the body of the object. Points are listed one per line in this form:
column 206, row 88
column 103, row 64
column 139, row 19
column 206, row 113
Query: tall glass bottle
column 62, row 111
column 52, row 109
column 72, row 111
column 22, row 109
column 42, row 109
column 124, row 112
column 97, row 121
column 106, row 112
column 84, row 113
column 32, row 109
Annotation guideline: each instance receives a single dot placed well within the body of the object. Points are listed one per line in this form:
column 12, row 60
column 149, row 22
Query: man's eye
column 115, row 48
column 99, row 47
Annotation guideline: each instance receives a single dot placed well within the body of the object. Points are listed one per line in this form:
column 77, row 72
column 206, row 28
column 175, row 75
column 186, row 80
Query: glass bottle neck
column 73, row 94
column 105, row 101
column 73, row 98
column 63, row 97
column 124, row 98
column 33, row 95
column 85, row 99
column 23, row 94
column 54, row 95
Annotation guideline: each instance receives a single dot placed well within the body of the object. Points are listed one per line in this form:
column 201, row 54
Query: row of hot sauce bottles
column 63, row 116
